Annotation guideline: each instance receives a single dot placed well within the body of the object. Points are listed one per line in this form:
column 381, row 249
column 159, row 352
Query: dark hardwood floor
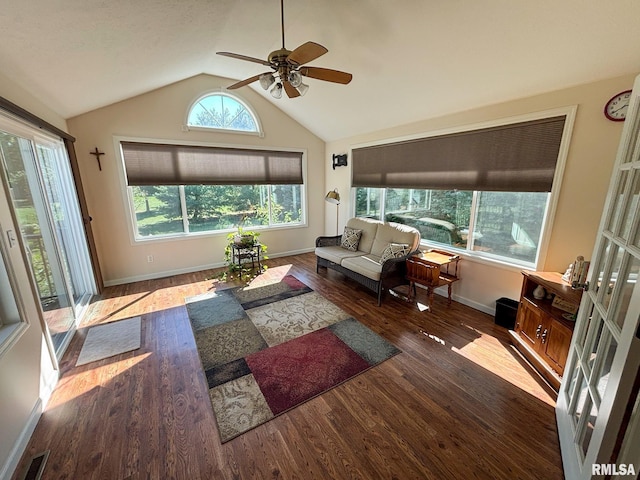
column 457, row 403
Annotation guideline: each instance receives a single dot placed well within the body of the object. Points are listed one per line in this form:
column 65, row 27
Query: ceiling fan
column 289, row 67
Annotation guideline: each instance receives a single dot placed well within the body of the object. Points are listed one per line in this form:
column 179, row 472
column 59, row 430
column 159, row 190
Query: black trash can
column 506, row 311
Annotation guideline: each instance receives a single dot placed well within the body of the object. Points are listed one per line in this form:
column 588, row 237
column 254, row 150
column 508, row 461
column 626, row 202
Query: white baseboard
column 47, row 386
column 167, row 273
column 475, row 305
column 465, row 301
column 180, row 271
column 21, row 444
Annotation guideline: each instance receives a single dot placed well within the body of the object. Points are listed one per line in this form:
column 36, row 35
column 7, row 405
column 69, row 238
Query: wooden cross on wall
column 97, row 153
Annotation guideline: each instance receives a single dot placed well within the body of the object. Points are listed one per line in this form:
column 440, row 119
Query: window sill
column 473, row 257
column 210, row 234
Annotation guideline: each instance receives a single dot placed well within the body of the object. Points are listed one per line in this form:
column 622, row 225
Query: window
column 484, row 188
column 500, row 225
column 165, row 210
column 222, row 111
column 188, row 189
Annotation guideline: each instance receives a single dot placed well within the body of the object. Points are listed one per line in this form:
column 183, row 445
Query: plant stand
column 243, row 254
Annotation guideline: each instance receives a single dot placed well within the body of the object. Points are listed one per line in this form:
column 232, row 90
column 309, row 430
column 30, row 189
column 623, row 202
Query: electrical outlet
column 149, row 258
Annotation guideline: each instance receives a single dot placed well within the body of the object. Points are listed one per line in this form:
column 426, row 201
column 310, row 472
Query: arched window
column 222, row 111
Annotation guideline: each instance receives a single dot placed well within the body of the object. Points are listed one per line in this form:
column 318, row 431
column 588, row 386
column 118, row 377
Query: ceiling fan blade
column 245, row 82
column 292, row 92
column 244, row 57
column 306, row 52
column 326, row 74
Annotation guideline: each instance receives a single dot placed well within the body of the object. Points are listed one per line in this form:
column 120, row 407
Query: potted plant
column 242, row 238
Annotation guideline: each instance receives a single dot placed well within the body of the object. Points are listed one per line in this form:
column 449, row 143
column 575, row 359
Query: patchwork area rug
column 110, row 339
column 269, row 348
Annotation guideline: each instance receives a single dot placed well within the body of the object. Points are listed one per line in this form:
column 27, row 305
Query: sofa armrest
column 328, row 241
column 394, row 264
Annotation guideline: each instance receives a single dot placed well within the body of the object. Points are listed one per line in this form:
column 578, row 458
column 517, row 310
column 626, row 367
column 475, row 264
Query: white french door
column 597, row 395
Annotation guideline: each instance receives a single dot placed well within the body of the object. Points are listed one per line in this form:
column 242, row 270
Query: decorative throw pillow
column 351, row 239
column 394, row 250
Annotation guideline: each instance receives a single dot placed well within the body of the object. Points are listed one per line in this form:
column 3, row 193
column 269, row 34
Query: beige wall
column 27, row 372
column 18, row 95
column 586, row 179
column 160, row 114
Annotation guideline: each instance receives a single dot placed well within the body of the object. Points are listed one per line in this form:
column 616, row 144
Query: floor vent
column 36, row 467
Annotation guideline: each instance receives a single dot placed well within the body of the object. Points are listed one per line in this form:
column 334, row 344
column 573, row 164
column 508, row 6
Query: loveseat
column 371, row 252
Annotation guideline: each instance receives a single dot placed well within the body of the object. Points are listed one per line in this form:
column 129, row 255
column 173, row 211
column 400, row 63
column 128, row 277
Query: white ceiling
column 410, row 59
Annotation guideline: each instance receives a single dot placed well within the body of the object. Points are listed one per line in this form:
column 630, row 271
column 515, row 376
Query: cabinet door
column 555, row 345
column 529, row 322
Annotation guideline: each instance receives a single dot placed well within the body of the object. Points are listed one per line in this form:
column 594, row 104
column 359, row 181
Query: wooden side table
column 432, row 269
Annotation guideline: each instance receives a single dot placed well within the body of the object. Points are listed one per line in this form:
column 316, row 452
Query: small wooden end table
column 432, row 269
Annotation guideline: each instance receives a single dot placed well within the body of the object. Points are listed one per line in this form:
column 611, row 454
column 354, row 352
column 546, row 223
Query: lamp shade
column 266, row 80
column 295, row 78
column 276, row 91
column 333, row 197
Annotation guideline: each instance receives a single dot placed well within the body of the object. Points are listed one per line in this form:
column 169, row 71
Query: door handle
column 538, row 330
column 11, row 236
column 544, row 336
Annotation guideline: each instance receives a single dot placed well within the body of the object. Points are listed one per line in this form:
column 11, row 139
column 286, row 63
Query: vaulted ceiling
column 410, row 59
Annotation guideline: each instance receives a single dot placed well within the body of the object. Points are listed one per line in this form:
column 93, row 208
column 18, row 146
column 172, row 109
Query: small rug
column 266, row 349
column 110, row 339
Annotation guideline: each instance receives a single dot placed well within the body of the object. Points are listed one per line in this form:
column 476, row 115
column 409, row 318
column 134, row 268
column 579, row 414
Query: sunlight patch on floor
column 433, row 337
column 499, row 360
column 502, row 362
column 89, row 378
column 270, row 276
column 422, row 307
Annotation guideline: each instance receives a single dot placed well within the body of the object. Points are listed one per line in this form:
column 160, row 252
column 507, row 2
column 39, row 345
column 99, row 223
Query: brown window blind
column 161, row 164
column 519, row 157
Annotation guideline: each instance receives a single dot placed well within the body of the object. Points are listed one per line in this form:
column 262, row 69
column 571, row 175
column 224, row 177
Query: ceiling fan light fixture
column 266, row 80
column 295, row 78
column 289, row 66
column 302, row 88
column 276, row 91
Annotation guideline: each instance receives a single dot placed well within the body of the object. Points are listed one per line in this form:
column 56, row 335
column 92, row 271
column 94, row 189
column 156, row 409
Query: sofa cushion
column 350, row 238
column 369, row 228
column 336, row 254
column 394, row 233
column 367, row 265
column 394, row 250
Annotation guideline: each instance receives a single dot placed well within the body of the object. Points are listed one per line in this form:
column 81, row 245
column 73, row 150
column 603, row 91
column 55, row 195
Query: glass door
column 604, row 356
column 47, row 212
column 64, row 214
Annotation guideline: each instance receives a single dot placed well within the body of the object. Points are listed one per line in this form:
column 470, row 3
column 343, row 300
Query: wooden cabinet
column 543, row 331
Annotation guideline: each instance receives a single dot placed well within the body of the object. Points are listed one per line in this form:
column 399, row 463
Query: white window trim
column 10, row 333
column 549, row 217
column 134, row 239
column 219, row 91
